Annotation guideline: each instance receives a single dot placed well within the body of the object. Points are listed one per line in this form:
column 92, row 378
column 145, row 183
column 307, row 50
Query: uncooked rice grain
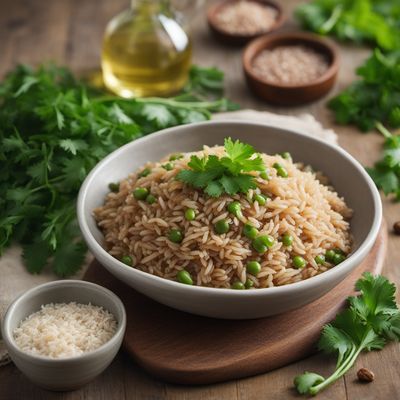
column 246, row 18
column 299, row 205
column 65, row 330
column 293, row 65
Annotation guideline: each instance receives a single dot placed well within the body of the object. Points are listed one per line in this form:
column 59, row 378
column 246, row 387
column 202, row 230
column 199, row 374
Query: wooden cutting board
column 188, row 349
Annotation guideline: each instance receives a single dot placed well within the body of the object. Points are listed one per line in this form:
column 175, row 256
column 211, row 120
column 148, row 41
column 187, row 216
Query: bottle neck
column 150, row 6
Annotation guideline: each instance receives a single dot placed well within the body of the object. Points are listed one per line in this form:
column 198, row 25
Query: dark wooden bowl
column 238, row 39
column 287, row 94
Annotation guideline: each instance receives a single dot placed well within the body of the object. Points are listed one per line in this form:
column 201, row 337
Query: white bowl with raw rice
column 118, row 225
column 63, row 334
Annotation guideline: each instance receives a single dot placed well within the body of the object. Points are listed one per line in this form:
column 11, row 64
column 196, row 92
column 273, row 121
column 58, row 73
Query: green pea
column 175, row 236
column 264, row 175
column 235, row 209
column 221, row 226
column 150, row 199
column 287, row 239
column 176, row 156
column 253, row 267
column 127, row 260
column 286, row 155
column 260, row 199
column 249, row 283
column 299, row 262
column 249, row 231
column 190, row 214
column 266, row 240
column 237, row 285
column 184, row 277
column 258, row 246
column 338, row 258
column 329, row 255
column 282, row 172
column 339, row 251
column 140, row 193
column 168, row 166
column 114, row 187
column 144, row 173
column 319, row 259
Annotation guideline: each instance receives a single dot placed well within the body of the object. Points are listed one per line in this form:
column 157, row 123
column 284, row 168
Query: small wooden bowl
column 239, row 38
column 289, row 94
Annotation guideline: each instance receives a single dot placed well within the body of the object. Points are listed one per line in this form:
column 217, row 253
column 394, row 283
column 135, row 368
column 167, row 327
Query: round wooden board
column 188, row 349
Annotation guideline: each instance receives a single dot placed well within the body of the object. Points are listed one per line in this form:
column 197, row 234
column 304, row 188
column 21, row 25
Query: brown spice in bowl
column 290, row 65
column 246, row 18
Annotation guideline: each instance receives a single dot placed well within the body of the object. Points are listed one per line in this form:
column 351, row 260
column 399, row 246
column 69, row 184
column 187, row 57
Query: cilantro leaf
column 377, row 296
column 356, row 20
column 238, row 151
column 371, row 320
column 306, row 381
column 68, row 257
column 73, row 146
column 226, row 174
column 386, row 172
column 36, row 255
column 375, row 97
column 214, row 189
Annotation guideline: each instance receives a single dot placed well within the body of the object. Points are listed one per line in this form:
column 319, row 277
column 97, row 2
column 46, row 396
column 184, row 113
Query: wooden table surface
column 70, row 32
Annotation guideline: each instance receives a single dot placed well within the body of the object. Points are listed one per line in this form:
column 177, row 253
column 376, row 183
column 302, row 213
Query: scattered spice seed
column 396, row 228
column 293, row 65
column 365, row 375
column 246, row 18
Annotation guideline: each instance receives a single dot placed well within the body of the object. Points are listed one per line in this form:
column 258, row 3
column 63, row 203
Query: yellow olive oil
column 146, row 52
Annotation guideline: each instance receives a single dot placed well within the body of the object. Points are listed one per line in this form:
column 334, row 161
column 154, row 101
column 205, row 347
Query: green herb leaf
column 306, row 381
column 371, row 320
column 36, row 255
column 356, row 20
column 226, row 174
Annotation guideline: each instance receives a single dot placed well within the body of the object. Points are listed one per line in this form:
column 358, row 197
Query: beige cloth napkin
column 14, row 279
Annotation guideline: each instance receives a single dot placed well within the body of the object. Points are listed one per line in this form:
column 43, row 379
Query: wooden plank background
column 70, row 32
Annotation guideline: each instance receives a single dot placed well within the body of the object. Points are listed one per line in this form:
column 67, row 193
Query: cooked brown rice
column 300, row 205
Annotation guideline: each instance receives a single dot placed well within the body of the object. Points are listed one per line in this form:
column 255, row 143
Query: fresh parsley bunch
column 53, row 130
column 227, row 174
column 375, row 97
column 371, row 320
column 373, row 21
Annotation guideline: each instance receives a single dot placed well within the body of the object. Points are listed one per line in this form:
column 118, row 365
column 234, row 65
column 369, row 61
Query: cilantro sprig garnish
column 371, row 320
column 227, row 174
column 53, row 131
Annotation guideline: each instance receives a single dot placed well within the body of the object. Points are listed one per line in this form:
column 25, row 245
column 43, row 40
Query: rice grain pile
column 299, row 205
column 65, row 330
column 293, row 65
column 246, row 18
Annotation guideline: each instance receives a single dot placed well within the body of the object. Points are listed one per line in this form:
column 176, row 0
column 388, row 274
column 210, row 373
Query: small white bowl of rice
column 203, row 243
column 63, row 334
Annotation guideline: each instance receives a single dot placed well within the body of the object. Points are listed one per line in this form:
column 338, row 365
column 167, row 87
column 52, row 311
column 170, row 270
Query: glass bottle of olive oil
column 146, row 51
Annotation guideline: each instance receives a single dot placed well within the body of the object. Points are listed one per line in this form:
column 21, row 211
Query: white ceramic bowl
column 346, row 174
column 63, row 373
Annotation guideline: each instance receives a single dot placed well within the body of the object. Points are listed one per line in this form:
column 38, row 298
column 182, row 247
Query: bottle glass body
column 146, row 51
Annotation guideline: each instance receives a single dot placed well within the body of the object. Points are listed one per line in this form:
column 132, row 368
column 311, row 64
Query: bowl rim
column 215, row 8
column 311, row 282
column 265, row 41
column 91, row 355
